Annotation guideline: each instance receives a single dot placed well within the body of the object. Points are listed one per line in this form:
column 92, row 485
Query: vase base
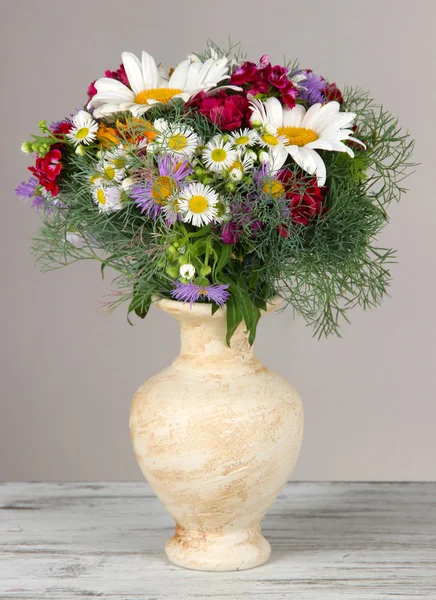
column 204, row 551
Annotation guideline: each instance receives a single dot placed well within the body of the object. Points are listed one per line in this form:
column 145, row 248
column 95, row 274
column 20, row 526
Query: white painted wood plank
column 330, row 541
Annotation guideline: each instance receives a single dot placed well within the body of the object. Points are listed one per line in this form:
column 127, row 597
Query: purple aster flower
column 190, row 292
column 29, row 189
column 313, row 87
column 158, row 192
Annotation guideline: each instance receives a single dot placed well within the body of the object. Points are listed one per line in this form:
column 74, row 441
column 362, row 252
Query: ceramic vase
column 216, row 435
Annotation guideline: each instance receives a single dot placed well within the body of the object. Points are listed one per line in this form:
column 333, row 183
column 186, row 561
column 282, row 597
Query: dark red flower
column 227, row 111
column 332, row 92
column 230, row 233
column 246, row 73
column 47, row 170
column 62, row 128
column 305, row 198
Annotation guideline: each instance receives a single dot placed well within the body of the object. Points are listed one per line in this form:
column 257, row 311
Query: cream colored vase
column 217, row 435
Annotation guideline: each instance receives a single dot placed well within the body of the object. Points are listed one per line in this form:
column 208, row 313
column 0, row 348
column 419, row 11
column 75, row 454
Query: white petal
column 180, row 74
column 279, row 155
column 321, row 144
column 292, row 117
column 320, row 171
column 303, row 157
column 133, row 71
column 150, row 73
column 311, row 116
column 274, row 111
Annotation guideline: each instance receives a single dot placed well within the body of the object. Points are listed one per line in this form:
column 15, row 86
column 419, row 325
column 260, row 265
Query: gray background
column 68, row 373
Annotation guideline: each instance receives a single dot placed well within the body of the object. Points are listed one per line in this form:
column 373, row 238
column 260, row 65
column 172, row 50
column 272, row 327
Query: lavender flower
column 159, row 191
column 312, row 88
column 190, row 292
column 29, row 190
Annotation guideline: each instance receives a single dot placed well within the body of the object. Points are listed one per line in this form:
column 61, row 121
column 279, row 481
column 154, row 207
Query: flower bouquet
column 216, row 189
column 223, row 181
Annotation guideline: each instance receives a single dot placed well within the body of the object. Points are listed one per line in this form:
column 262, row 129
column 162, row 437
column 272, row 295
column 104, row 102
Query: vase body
column 216, row 435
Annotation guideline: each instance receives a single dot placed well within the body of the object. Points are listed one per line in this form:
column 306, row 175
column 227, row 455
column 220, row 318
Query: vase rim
column 203, row 309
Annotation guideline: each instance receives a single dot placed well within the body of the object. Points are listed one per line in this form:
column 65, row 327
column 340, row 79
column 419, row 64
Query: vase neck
column 203, row 336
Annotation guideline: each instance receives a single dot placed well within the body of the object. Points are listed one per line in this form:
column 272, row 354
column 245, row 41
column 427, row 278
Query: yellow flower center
column 273, row 188
column 244, row 139
column 101, row 197
column 163, row 95
column 177, row 142
column 162, row 188
column 82, row 133
column 109, row 172
column 218, row 155
column 197, row 204
column 297, row 136
column 237, row 165
column 270, row 139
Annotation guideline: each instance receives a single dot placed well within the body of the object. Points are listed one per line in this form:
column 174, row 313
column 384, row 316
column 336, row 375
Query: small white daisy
column 107, row 198
column 218, row 155
column 244, row 138
column 198, row 204
column 175, row 140
column 113, row 165
column 187, row 271
column 84, row 128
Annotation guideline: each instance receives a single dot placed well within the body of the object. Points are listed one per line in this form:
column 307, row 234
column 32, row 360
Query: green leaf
column 215, row 307
column 256, row 317
column 234, row 318
column 140, row 305
column 225, row 254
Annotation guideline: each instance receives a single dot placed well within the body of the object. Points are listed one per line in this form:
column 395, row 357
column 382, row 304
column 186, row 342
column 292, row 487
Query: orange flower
column 136, row 130
column 107, row 136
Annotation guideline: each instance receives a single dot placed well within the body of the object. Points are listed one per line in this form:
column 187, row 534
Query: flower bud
column 26, row 147
column 81, row 150
column 43, row 126
column 230, row 187
column 236, row 175
column 264, row 157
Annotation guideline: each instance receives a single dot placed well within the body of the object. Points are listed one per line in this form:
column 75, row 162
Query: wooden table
column 330, row 541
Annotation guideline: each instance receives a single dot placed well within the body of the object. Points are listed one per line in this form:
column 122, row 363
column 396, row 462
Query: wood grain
column 330, row 541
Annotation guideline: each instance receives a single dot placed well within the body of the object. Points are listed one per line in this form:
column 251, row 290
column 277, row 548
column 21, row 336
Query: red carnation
column 265, row 78
column 306, row 198
column 332, row 92
column 47, row 169
column 227, row 111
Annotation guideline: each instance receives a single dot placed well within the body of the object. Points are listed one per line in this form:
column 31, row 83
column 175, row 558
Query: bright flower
column 198, row 204
column 218, row 155
column 113, row 165
column 29, row 190
column 107, row 198
column 162, row 188
column 84, row 128
column 107, row 136
column 174, row 139
column 189, row 292
column 187, row 271
column 228, row 111
column 147, row 87
column 244, row 138
column 299, row 133
column 47, row 170
column 263, row 78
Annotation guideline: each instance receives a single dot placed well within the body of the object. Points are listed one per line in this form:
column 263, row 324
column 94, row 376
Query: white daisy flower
column 244, row 138
column 187, row 271
column 198, row 204
column 113, row 165
column 148, row 87
column 84, row 128
column 218, row 155
column 107, row 198
column 236, row 174
column 175, row 140
column 299, row 133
